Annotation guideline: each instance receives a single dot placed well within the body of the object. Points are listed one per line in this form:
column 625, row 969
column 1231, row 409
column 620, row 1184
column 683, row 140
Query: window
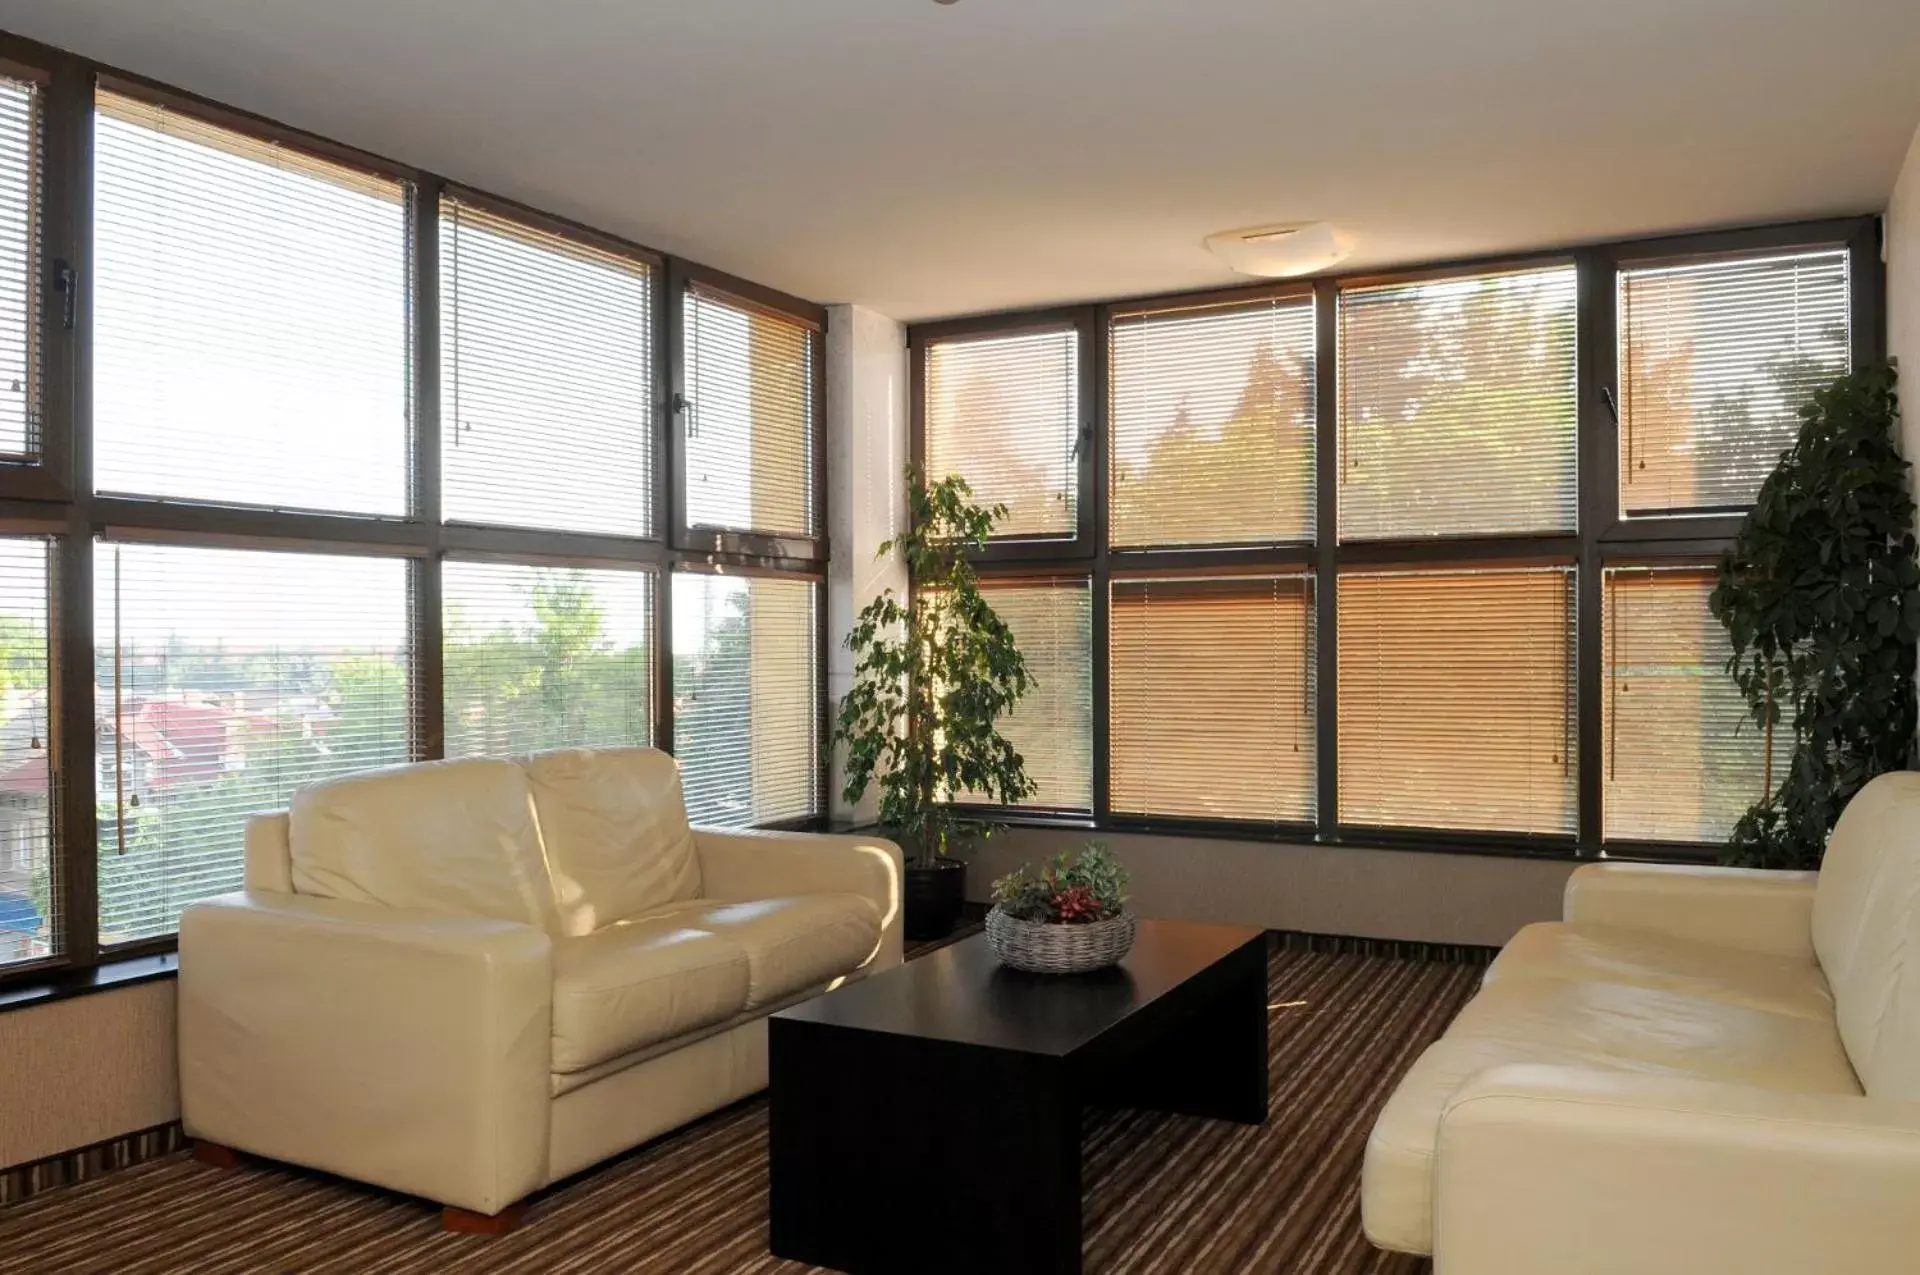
column 1456, row 699
column 1683, row 758
column 1716, row 358
column 546, row 378
column 746, row 697
column 228, row 678
column 20, row 268
column 250, row 319
column 1458, row 406
column 545, row 657
column 1052, row 726
column 751, row 417
column 30, row 902
column 1003, row 412
column 1212, row 698
column 1212, row 424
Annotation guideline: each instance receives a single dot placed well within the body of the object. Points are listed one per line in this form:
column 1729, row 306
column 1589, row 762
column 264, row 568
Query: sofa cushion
column 615, row 827
column 637, row 983
column 796, row 942
column 447, row 836
column 1599, row 1025
column 1642, row 958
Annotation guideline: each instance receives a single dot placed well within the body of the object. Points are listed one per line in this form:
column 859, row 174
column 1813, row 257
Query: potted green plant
column 932, row 676
column 1065, row 917
column 1818, row 596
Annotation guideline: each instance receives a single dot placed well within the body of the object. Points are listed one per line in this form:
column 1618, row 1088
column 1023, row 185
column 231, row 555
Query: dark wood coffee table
column 927, row 1120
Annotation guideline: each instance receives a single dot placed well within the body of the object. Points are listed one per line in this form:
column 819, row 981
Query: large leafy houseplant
column 932, row 677
column 1818, row 599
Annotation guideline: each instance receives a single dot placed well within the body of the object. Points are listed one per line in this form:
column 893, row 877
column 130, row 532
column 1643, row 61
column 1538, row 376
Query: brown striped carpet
column 1166, row 1195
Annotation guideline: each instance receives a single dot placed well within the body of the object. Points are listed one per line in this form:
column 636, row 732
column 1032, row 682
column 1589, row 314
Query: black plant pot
column 934, row 895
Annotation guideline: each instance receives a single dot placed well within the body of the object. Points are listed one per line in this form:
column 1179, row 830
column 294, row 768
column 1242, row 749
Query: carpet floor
column 1165, row 1195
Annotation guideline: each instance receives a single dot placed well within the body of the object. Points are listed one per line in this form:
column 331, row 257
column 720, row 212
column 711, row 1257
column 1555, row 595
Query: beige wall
column 1903, row 291
column 83, row 1070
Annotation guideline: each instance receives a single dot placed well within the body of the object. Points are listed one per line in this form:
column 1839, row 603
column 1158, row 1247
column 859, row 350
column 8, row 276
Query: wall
column 83, row 1070
column 1903, row 290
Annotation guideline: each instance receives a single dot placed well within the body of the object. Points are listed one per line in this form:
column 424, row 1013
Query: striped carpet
column 1166, row 1195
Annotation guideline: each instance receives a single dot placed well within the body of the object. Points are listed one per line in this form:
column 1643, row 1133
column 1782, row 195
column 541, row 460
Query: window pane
column 1716, row 359
column 746, row 698
column 228, row 678
column 1456, row 699
column 1003, row 412
column 1458, row 406
column 546, row 378
column 20, row 268
column 1052, row 727
column 545, row 657
column 249, row 319
column 1683, row 760
column 1212, row 697
column 1213, row 414
column 751, row 423
column 29, row 889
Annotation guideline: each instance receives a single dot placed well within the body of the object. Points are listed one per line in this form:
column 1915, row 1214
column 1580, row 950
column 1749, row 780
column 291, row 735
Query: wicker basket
column 1042, row 947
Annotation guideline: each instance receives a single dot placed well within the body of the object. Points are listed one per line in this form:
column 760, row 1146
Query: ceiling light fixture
column 1276, row 252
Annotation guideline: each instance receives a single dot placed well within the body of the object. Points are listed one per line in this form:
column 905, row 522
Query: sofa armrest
column 1564, row 1169
column 409, row 1049
column 1747, row 908
column 758, row 865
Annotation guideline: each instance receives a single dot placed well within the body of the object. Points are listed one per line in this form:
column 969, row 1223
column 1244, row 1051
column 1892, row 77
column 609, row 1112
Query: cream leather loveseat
column 1701, row 1071
column 464, row 980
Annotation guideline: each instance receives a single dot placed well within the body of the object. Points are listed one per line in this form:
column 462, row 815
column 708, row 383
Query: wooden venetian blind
column 31, row 897
column 751, row 418
column 1716, row 358
column 21, row 267
column 546, row 378
column 746, row 698
column 1052, row 727
column 1003, row 412
column 1211, row 697
column 1456, row 699
column 1212, row 424
column 1458, row 406
column 250, row 319
column 1683, row 758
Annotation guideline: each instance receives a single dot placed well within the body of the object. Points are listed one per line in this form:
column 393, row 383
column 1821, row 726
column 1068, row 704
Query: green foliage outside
column 1067, row 890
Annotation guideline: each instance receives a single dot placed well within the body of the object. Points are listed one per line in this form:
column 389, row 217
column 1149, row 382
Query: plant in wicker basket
column 1065, row 916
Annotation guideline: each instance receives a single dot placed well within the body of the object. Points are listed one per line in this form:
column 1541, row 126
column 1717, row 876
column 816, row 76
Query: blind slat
column 21, row 105
column 750, row 425
column 1052, row 727
column 31, row 901
column 1003, row 412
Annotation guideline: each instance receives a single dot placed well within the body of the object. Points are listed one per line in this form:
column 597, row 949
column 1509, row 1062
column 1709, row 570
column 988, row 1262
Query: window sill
column 59, row 985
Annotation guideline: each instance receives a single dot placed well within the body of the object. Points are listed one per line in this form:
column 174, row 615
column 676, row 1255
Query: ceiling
column 930, row 160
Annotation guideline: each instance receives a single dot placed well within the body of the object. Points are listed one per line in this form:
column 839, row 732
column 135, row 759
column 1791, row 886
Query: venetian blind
column 1456, row 699
column 1211, row 697
column 1683, row 758
column 1458, row 406
column 1003, row 412
column 1052, row 726
column 545, row 657
column 1212, row 424
column 1716, row 358
column 751, row 418
column 228, row 678
column 250, row 319
column 21, row 104
column 30, row 894
column 546, row 378
column 746, row 697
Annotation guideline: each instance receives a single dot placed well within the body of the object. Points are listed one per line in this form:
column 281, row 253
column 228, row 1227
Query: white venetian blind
column 545, row 657
column 1458, row 406
column 1212, row 424
column 546, row 378
column 1456, row 699
column 1683, row 758
column 1052, row 726
column 1003, row 412
column 1211, row 697
column 30, row 894
column 226, row 679
column 21, row 268
column 1716, row 358
column 250, row 319
column 751, row 417
column 746, row 698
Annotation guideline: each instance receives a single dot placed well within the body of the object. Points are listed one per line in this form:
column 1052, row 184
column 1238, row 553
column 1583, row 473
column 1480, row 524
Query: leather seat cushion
column 638, row 983
column 797, row 942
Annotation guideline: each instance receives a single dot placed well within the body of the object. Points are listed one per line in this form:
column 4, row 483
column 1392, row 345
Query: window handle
column 682, row 406
column 67, row 283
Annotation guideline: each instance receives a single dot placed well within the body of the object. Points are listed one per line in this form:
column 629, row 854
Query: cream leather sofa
column 1700, row 1071
column 465, row 980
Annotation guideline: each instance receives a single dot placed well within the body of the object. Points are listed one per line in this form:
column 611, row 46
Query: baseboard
column 1389, row 949
column 22, row 1181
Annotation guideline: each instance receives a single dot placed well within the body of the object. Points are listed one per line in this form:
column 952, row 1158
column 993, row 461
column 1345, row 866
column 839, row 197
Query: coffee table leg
column 1215, row 1063
column 889, row 1154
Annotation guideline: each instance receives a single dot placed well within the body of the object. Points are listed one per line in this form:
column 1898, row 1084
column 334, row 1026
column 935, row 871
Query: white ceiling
column 929, row 160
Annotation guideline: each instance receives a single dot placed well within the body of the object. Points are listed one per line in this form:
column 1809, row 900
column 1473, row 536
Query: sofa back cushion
column 1866, row 932
column 445, row 836
column 615, row 825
